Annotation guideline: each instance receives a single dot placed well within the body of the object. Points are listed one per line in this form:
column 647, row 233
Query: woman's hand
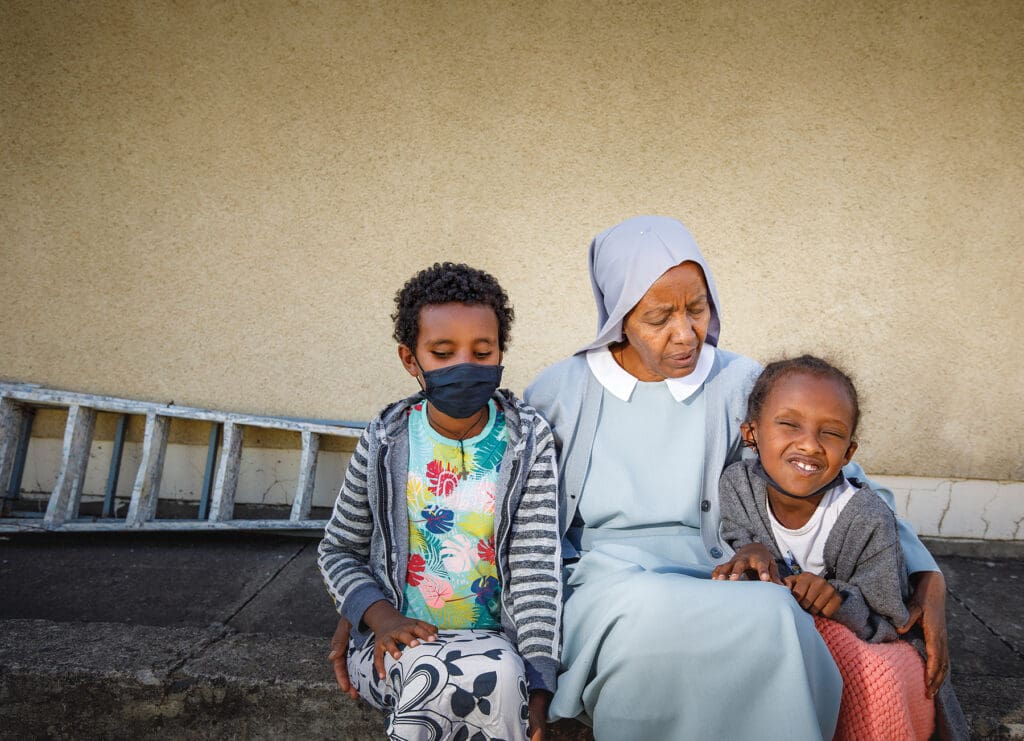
column 392, row 630
column 539, row 701
column 814, row 593
column 339, row 657
column 754, row 560
column 928, row 605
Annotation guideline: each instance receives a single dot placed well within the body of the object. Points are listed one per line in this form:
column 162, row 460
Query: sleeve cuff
column 358, row 601
column 541, row 673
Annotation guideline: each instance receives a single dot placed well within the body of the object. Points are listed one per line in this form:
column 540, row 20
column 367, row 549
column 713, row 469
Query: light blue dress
column 653, row 648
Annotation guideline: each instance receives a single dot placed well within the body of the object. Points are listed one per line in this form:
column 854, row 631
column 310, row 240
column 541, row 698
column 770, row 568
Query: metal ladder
column 19, row 402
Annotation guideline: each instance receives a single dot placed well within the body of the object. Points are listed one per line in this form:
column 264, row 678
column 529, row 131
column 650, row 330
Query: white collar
column 620, row 382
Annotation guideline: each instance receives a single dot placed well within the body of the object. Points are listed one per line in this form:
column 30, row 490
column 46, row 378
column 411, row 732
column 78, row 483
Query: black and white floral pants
column 466, row 685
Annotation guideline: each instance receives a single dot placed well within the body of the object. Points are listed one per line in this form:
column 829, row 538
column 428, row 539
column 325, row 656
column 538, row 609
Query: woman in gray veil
column 647, row 416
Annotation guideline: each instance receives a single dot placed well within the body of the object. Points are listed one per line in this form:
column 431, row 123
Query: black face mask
column 462, row 390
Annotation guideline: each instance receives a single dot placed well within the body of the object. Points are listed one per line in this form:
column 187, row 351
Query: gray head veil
column 627, row 259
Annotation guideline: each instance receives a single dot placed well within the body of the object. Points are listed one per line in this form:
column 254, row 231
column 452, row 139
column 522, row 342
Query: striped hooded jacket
column 365, row 550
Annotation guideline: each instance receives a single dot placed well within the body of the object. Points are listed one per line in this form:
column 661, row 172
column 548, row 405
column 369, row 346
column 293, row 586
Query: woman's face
column 666, row 329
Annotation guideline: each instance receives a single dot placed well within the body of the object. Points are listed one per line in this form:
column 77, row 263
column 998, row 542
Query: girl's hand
column 814, row 594
column 392, row 630
column 928, row 605
column 338, row 657
column 539, row 701
column 754, row 560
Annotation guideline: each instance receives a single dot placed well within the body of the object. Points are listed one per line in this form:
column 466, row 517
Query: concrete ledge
column 110, row 680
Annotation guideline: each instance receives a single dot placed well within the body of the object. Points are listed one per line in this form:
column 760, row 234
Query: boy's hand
column 338, row 657
column 814, row 594
column 754, row 560
column 392, row 630
column 539, row 701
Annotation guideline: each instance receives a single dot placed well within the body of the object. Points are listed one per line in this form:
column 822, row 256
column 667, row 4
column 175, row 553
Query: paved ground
column 216, row 636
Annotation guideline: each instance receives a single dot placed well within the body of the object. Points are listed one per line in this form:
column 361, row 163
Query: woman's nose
column 683, row 331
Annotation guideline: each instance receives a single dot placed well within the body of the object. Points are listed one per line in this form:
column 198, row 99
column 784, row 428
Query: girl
column 443, row 550
column 794, row 519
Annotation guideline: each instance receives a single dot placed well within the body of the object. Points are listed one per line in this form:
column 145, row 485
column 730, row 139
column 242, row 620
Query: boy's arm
column 535, row 567
column 345, row 550
column 873, row 596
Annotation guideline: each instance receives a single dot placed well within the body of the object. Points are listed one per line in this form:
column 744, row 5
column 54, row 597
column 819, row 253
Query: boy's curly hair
column 445, row 283
column 810, row 364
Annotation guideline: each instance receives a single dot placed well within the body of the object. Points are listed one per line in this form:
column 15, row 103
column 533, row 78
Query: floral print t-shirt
column 452, row 579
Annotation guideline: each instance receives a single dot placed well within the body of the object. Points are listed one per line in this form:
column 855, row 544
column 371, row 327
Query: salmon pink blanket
column 884, row 695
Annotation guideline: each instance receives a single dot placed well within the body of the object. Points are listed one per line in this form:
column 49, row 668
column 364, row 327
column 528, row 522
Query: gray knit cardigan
column 863, row 558
column 365, row 550
column 863, row 561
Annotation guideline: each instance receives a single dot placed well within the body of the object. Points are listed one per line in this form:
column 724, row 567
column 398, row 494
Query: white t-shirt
column 804, row 548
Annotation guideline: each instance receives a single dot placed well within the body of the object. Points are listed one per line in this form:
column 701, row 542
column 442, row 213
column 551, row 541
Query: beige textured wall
column 215, row 202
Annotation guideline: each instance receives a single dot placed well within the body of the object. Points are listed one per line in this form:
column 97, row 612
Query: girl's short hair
column 445, row 283
column 809, row 364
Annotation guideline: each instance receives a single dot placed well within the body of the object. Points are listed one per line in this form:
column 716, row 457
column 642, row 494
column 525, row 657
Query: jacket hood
column 626, row 260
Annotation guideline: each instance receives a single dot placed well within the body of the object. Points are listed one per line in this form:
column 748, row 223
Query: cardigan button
column 716, row 552
column 705, row 506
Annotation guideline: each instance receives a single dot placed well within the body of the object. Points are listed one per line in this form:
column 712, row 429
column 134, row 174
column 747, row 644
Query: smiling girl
column 794, row 519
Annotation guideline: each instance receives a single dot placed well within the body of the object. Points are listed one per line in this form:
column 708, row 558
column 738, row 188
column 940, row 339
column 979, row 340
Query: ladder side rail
column 171, row 525
column 307, row 476
column 146, row 490
column 67, row 492
column 114, row 405
column 223, row 506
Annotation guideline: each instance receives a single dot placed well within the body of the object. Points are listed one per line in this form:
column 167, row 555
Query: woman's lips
column 683, row 358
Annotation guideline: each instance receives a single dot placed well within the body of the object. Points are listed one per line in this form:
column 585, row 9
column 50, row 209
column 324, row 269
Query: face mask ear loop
column 420, row 379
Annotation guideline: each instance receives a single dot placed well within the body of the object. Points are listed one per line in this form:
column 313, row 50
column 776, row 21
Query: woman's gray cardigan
column 365, row 550
column 569, row 397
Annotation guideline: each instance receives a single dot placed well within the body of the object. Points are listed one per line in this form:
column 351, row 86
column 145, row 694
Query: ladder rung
column 223, row 505
column 307, row 476
column 11, row 415
column 146, row 490
column 67, row 492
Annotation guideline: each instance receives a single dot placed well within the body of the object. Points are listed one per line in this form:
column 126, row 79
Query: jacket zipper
column 513, row 480
column 384, row 498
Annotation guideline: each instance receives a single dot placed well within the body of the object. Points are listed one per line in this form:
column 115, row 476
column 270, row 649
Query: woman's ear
column 849, row 452
column 408, row 359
